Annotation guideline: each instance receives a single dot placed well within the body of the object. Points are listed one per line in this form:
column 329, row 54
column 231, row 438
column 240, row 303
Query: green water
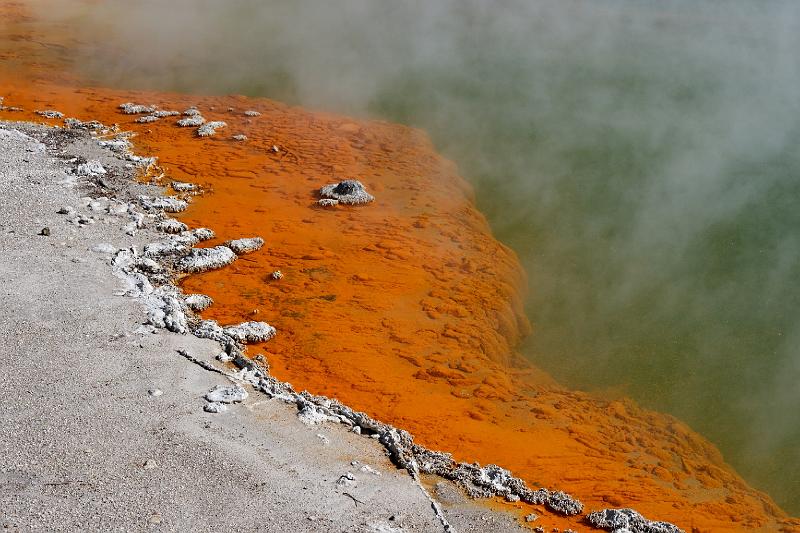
column 642, row 158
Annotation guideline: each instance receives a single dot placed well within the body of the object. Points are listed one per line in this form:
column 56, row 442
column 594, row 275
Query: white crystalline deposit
column 170, row 204
column 202, row 259
column 248, row 332
column 227, row 394
column 246, row 245
column 210, row 128
column 164, row 113
column 191, row 121
column 170, row 225
column 192, row 112
column 239, row 137
column 91, row 169
column 177, row 244
column 202, row 234
column 166, row 247
column 182, row 186
column 146, row 119
column 129, row 108
column 198, row 302
column 252, row 113
column 620, row 520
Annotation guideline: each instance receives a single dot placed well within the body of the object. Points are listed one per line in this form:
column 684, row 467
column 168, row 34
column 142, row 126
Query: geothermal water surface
column 643, row 169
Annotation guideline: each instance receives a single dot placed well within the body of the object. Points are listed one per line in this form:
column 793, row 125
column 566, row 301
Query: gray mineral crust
column 350, row 192
column 246, row 245
column 202, row 259
column 248, row 332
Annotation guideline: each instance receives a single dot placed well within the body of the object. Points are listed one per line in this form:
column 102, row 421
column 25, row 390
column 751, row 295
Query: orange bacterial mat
column 406, row 308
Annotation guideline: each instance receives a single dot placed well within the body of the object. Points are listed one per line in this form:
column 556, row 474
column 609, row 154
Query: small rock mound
column 202, row 259
column 248, row 332
column 347, row 192
column 191, row 121
column 210, row 128
column 198, row 302
column 247, row 245
column 170, row 225
column 231, row 394
column 129, row 108
column 170, row 204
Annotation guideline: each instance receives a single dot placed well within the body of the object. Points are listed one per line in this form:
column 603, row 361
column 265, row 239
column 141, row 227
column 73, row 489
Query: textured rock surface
column 202, row 259
column 347, row 192
column 246, row 245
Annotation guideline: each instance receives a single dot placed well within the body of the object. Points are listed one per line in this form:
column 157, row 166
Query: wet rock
column 246, row 245
column 170, row 204
column 249, row 332
column 129, row 108
column 227, row 394
column 202, row 259
column 50, row 113
column 630, row 520
column 170, row 225
column 147, row 119
column 91, row 169
column 347, row 192
column 210, row 128
column 198, row 302
column 215, row 407
column 191, row 121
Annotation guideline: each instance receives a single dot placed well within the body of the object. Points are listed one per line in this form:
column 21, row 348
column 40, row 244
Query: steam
column 642, row 158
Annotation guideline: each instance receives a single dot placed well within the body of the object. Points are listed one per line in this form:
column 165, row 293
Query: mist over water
column 642, row 158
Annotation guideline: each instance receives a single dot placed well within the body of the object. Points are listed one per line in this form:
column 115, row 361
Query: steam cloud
column 641, row 157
